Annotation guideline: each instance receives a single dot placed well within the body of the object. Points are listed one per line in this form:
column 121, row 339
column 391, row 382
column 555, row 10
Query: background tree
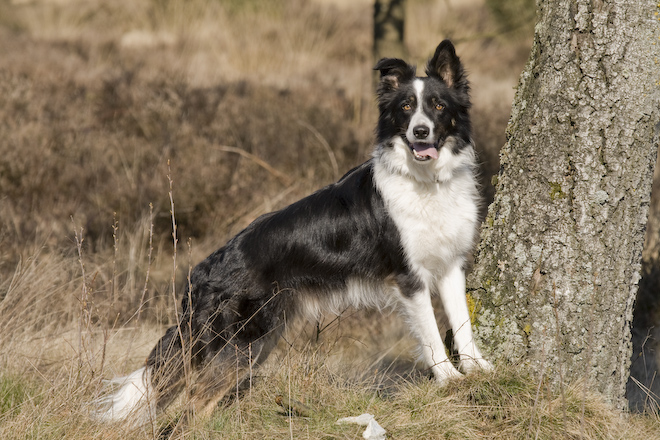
column 558, row 266
column 389, row 20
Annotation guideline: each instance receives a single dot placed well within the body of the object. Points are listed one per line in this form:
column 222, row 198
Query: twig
column 189, row 297
column 115, row 243
column 325, row 145
column 288, row 366
column 238, row 375
column 151, row 247
column 286, row 180
column 146, row 278
column 250, row 365
column 175, row 240
column 84, row 295
column 106, row 337
column 653, row 400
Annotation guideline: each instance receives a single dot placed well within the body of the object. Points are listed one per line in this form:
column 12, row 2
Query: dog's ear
column 447, row 66
column 393, row 72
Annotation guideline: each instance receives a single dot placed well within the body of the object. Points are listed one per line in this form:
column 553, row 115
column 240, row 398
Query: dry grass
column 253, row 104
column 507, row 404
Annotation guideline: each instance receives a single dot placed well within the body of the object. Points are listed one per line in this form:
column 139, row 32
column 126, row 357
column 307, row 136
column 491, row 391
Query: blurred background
column 247, row 105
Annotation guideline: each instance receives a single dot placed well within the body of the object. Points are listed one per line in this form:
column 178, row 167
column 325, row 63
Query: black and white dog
column 394, row 230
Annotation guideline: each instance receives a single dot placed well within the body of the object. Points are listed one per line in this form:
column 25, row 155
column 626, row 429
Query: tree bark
column 558, row 266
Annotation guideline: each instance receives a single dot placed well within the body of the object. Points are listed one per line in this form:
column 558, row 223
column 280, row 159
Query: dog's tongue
column 426, row 150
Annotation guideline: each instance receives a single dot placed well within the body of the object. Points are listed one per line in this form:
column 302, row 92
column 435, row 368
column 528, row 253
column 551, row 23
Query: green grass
column 14, row 391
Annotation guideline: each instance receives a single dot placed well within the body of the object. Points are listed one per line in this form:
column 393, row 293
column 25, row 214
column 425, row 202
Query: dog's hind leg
column 167, row 363
column 216, row 381
column 229, row 336
column 226, row 371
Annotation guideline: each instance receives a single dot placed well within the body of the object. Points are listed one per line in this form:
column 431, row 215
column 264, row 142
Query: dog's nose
column 421, row 132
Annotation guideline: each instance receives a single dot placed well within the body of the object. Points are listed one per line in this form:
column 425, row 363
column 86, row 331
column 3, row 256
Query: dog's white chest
column 436, row 221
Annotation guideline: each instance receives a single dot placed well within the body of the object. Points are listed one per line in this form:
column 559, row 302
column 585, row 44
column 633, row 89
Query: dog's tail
column 133, row 400
column 141, row 394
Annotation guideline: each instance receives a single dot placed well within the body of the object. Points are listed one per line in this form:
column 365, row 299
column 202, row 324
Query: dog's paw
column 473, row 365
column 445, row 373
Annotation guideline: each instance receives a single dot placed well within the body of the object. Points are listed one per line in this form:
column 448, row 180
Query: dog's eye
column 439, row 107
column 406, row 107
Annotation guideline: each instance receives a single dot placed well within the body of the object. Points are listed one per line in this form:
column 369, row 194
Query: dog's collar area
column 423, row 152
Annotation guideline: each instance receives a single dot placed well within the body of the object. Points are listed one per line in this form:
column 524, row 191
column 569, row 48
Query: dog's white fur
column 134, row 400
column 419, row 117
column 435, row 209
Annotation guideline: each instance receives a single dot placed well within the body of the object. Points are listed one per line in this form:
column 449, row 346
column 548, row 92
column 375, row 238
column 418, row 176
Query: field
column 137, row 136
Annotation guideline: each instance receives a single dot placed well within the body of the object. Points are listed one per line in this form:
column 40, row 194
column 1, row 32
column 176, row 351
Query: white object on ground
column 373, row 432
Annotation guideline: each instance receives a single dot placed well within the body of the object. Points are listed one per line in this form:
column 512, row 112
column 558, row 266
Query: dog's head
column 421, row 117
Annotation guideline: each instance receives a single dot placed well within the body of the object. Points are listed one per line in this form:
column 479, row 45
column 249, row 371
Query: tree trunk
column 389, row 20
column 558, row 266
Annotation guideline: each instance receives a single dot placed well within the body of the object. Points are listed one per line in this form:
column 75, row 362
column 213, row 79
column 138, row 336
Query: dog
column 394, row 230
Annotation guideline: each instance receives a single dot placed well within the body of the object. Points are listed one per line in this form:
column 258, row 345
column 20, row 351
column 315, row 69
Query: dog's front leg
column 452, row 292
column 419, row 314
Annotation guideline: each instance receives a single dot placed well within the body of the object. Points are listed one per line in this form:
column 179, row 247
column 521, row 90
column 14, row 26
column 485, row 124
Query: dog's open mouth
column 424, row 152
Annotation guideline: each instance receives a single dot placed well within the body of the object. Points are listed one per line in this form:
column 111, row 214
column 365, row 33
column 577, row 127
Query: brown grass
column 253, row 104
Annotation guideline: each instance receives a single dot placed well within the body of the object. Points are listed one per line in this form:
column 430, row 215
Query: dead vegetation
column 245, row 106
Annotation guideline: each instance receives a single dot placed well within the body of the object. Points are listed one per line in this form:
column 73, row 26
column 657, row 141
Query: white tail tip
column 133, row 401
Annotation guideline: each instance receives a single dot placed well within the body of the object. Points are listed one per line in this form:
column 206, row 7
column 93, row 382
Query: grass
column 243, row 107
column 505, row 404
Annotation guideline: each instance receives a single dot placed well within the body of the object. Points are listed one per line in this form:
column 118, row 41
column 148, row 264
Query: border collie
column 393, row 231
